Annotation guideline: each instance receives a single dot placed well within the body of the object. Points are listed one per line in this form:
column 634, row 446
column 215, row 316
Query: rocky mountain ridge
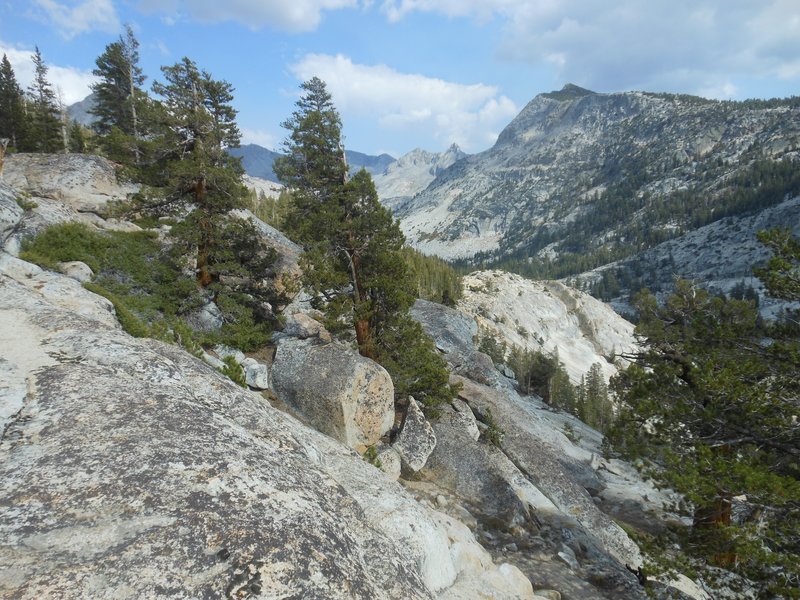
column 579, row 179
column 412, row 173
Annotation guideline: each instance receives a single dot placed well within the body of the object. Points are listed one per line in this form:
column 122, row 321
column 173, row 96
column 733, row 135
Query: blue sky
column 421, row 73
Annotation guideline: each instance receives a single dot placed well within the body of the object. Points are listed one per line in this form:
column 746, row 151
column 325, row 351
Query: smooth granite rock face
column 130, row 469
column 84, row 182
column 337, row 391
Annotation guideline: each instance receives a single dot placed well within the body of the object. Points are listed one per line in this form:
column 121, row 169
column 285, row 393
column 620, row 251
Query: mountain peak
column 568, row 92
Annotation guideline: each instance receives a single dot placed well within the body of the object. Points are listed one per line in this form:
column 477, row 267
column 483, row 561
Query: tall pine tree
column 12, row 106
column 353, row 262
column 44, row 124
column 197, row 125
column 119, row 98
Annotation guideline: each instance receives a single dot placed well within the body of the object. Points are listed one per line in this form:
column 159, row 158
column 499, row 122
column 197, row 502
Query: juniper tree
column 353, row 262
column 194, row 179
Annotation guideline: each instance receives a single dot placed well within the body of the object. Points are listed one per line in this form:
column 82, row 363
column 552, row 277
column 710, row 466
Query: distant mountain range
column 619, row 191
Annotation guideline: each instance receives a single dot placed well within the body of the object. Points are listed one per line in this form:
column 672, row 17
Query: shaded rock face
column 85, row 183
column 336, row 390
column 531, row 492
column 129, row 468
column 452, row 330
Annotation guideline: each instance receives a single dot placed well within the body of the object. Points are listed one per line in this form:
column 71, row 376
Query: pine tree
column 119, row 98
column 353, row 262
column 77, row 138
column 197, row 125
column 713, row 400
column 44, row 131
column 12, row 106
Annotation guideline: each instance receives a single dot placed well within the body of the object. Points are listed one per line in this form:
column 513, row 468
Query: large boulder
column 481, row 475
column 335, row 390
column 129, row 468
column 416, row 439
column 452, row 331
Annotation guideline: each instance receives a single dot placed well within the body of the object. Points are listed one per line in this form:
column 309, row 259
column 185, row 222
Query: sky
column 408, row 74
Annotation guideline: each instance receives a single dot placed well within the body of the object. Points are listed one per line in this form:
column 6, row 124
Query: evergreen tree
column 353, row 262
column 12, row 106
column 44, row 126
column 713, row 400
column 119, row 97
column 197, row 125
column 77, row 138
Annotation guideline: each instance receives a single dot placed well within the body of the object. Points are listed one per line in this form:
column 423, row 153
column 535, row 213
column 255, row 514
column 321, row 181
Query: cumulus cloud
column 695, row 46
column 70, row 83
column 265, row 139
column 73, row 18
column 289, row 15
column 468, row 114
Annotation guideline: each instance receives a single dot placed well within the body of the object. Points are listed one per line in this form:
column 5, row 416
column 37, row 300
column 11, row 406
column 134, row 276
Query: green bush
column 234, row 371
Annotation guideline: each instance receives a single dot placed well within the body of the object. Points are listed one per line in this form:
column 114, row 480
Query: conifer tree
column 353, row 262
column 12, row 105
column 119, row 97
column 713, row 398
column 44, row 125
column 197, row 125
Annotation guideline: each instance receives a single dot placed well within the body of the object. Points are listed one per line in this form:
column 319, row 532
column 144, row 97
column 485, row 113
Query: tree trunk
column 716, row 515
column 204, row 276
column 363, row 334
column 3, row 146
column 134, row 122
column 364, row 339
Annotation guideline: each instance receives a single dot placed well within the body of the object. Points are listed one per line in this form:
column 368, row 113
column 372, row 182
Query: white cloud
column 71, row 18
column 695, row 46
column 265, row 139
column 290, row 15
column 72, row 84
column 468, row 114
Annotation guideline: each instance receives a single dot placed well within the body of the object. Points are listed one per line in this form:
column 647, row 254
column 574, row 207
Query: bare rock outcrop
column 335, row 390
column 130, row 468
column 83, row 182
column 550, row 317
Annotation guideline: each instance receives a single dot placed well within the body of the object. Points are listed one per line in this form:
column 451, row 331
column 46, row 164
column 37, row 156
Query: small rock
column 301, row 325
column 77, row 270
column 390, row 461
column 206, row 318
column 441, row 501
column 226, row 351
column 548, row 594
column 512, row 547
column 507, row 371
column 256, row 375
column 567, row 556
column 213, row 360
